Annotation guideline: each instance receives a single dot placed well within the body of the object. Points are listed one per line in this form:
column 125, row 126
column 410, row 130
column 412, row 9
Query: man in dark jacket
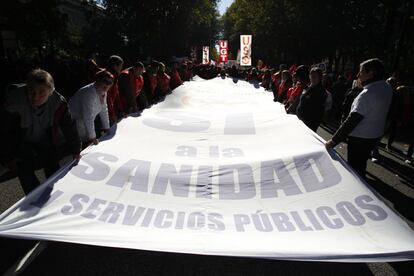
column 312, row 101
column 349, row 99
column 35, row 117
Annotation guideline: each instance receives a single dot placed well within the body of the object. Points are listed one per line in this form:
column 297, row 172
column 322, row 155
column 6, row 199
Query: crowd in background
column 41, row 125
column 316, row 97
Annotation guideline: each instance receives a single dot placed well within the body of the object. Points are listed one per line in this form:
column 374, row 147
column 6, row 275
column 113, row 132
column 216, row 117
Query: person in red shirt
column 277, row 78
column 130, row 85
column 115, row 109
column 163, row 82
column 302, row 75
column 253, row 75
column 284, row 86
column 266, row 79
column 175, row 80
column 151, row 82
column 186, row 72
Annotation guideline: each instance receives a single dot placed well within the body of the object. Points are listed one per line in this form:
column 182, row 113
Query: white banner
column 223, row 51
column 246, row 50
column 218, row 168
column 206, row 55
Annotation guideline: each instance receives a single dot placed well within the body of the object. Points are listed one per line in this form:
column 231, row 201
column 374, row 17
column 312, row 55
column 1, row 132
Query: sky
column 223, row 5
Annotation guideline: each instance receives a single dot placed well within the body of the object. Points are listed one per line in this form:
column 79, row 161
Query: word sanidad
column 227, row 182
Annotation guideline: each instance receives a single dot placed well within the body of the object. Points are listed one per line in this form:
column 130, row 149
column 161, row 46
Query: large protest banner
column 217, row 168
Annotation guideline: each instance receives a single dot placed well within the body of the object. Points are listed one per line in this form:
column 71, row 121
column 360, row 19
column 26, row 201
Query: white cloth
column 84, row 106
column 219, row 169
column 372, row 103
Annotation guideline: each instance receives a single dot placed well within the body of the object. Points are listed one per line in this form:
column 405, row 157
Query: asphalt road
column 390, row 177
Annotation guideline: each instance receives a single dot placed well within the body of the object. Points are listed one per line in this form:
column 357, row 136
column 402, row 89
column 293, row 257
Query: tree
column 301, row 31
column 38, row 24
column 138, row 29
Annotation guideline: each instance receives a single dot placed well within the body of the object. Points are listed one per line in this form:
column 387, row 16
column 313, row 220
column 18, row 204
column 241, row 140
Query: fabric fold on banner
column 218, row 168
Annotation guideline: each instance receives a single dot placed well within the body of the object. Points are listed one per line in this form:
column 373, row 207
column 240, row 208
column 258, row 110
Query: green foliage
column 213, row 53
column 288, row 31
column 38, row 25
column 160, row 29
column 133, row 29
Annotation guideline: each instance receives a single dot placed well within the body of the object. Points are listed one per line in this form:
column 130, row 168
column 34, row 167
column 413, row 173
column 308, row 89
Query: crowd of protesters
column 40, row 125
column 365, row 106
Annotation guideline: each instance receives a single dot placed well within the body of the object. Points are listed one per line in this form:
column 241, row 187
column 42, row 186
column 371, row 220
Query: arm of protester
column 68, row 126
column 343, row 131
column 125, row 90
column 293, row 106
column 104, row 116
column 88, row 118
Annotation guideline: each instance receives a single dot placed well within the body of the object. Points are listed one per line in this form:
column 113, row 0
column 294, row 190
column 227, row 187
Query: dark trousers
column 393, row 132
column 142, row 102
column 33, row 156
column 410, row 149
column 274, row 94
column 159, row 96
column 359, row 150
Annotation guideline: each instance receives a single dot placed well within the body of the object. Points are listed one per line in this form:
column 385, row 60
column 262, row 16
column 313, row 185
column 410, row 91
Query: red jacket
column 130, row 87
column 164, row 83
column 153, row 83
column 175, row 80
column 113, row 99
column 136, row 83
column 294, row 92
column 186, row 75
column 282, row 87
column 251, row 77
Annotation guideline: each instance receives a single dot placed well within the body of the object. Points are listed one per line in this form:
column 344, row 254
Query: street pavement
column 390, row 177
